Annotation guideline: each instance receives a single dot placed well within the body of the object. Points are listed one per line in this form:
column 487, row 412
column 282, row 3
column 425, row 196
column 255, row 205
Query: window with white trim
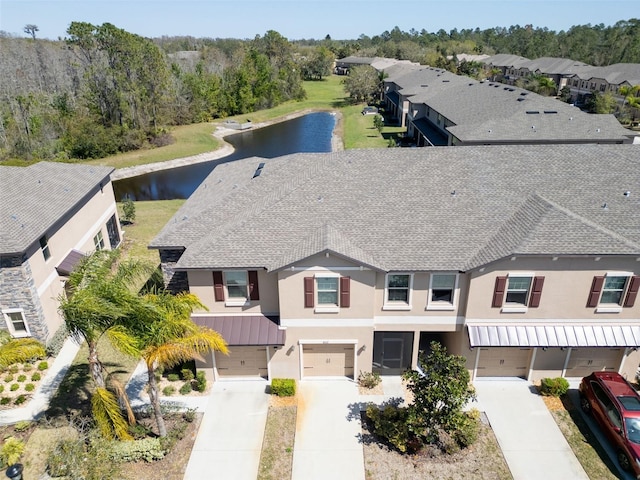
column 327, row 291
column 442, row 288
column 612, row 292
column 98, row 241
column 44, row 246
column 236, row 283
column 16, row 323
column 397, row 295
column 518, row 290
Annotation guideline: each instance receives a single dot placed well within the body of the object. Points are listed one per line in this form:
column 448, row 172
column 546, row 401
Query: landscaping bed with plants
column 19, row 381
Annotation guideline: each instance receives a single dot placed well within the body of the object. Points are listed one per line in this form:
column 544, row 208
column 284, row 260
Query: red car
column 615, row 405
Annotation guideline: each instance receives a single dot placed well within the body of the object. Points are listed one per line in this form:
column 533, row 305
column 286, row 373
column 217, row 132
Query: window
column 16, row 322
column 98, row 241
column 44, row 246
column 236, row 287
column 113, row 232
column 518, row 291
column 442, row 291
column 613, row 291
column 327, row 292
column 398, row 291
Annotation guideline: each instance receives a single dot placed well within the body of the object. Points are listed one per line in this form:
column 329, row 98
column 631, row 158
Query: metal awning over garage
column 554, row 335
column 244, row 330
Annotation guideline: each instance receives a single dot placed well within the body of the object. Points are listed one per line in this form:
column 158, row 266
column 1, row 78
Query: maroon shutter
column 594, row 293
column 536, row 292
column 254, row 293
column 498, row 291
column 632, row 293
column 345, row 292
column 218, row 287
column 308, row 292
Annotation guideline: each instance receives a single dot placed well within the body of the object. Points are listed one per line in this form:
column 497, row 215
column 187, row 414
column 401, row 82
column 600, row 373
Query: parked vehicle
column 369, row 110
column 615, row 406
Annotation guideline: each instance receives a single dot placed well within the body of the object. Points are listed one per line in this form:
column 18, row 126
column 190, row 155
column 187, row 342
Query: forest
column 102, row 90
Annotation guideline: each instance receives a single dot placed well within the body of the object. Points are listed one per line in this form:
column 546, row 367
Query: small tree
column 362, row 83
column 440, row 388
column 128, row 210
column 31, row 29
column 378, row 123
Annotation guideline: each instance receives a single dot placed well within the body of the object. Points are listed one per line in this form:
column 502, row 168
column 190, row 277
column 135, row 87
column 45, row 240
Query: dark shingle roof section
column 434, row 208
column 34, row 198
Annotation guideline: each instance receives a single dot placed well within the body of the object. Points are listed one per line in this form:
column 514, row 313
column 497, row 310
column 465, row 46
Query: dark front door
column 392, row 352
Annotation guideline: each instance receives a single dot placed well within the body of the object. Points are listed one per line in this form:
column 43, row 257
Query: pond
column 309, row 133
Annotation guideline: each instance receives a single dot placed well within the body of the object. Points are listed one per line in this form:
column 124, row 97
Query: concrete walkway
column 328, row 430
column 529, row 437
column 229, row 440
column 39, row 403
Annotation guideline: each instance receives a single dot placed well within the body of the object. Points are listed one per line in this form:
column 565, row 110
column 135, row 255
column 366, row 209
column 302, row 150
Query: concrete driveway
column 529, row 437
column 328, row 432
column 229, row 440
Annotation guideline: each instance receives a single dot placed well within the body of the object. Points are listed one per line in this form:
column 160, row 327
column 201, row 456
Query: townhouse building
column 52, row 214
column 440, row 108
column 524, row 259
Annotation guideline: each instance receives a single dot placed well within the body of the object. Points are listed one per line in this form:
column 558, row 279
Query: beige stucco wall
column 74, row 233
column 564, row 295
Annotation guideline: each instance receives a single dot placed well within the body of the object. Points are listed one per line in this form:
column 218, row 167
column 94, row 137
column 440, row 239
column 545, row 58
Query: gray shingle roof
column 555, row 66
column 34, row 198
column 615, row 74
column 505, row 60
column 393, row 209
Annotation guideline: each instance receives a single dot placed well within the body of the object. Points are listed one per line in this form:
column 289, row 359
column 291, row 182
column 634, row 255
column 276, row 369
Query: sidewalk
column 529, row 438
column 39, row 403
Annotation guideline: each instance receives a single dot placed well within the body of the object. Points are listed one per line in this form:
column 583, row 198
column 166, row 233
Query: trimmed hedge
column 283, row 387
column 554, row 387
column 147, row 449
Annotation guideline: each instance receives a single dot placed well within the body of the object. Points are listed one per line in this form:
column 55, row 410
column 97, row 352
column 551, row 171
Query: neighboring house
column 556, row 69
column 524, row 259
column 507, row 64
column 441, row 108
column 604, row 80
column 52, row 214
column 343, row 65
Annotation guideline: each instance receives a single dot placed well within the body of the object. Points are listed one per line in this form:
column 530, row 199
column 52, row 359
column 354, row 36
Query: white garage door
column 328, row 360
column 583, row 361
column 503, row 362
column 243, row 362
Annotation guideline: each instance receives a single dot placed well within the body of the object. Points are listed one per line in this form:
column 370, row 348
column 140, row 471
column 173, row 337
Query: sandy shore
column 227, row 149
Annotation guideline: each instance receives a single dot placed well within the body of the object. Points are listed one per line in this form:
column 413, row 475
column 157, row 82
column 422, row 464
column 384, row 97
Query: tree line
column 102, row 90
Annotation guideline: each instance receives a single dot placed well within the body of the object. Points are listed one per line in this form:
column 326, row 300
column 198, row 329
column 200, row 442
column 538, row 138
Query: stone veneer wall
column 18, row 290
column 175, row 282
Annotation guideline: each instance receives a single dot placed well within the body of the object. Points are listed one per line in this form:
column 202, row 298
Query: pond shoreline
column 227, row 149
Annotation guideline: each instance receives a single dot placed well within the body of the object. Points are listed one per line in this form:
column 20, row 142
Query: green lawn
column 150, row 218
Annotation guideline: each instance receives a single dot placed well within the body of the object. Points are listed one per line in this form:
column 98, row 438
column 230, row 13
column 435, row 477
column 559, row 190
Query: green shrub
column 14, row 387
column 468, row 428
column 36, row 376
column 14, row 369
column 22, row 426
column 554, row 387
column 22, row 378
column 8, row 378
column 43, row 365
column 1, row 388
column 55, row 344
column 138, row 431
column 186, row 374
column 283, row 387
column 20, row 399
column 27, row 367
column 201, row 382
column 5, row 400
column 173, row 377
column 82, row 458
column 29, row 387
column 186, row 388
column 147, row 449
column 369, row 379
column 173, row 435
column 393, row 424
column 168, row 390
column 189, row 416
column 11, row 451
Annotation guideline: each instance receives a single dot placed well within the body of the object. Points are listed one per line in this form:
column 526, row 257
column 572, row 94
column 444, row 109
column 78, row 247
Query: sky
column 300, row 19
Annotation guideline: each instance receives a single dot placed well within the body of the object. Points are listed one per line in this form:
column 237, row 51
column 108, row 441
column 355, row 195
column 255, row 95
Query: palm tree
column 100, row 303
column 18, row 350
column 166, row 336
column 545, row 85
